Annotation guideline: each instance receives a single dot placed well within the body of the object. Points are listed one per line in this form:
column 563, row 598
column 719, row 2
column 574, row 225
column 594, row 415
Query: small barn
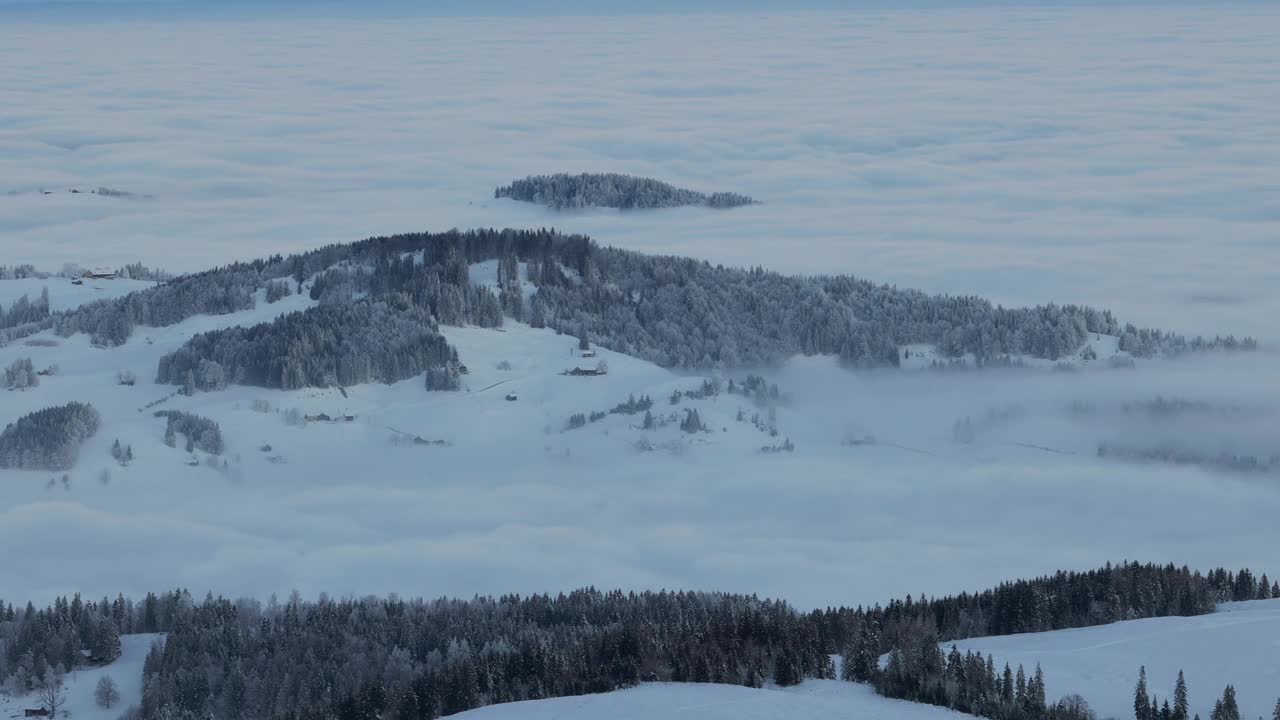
column 584, row 372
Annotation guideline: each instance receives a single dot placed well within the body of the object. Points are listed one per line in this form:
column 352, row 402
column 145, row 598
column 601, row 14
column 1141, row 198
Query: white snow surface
column 811, row 700
column 1239, row 645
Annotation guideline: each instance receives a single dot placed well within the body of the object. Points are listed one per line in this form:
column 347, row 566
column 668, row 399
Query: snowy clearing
column 80, row 684
column 1239, row 645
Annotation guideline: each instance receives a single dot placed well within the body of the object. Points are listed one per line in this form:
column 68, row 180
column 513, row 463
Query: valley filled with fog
column 1028, row 156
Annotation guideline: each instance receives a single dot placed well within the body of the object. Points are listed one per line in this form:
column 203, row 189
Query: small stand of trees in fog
column 48, row 439
column 24, row 311
column 1230, row 462
column 200, row 433
column 625, row 192
column 20, row 375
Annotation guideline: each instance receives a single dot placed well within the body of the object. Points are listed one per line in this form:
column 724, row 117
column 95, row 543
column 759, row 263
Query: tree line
column 408, row 659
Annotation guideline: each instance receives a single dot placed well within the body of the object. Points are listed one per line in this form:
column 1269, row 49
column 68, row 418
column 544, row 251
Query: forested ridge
column 407, row 659
column 676, row 312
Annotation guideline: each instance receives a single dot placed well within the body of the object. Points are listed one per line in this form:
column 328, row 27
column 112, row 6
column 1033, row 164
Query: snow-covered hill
column 811, row 700
column 1238, row 645
column 514, row 501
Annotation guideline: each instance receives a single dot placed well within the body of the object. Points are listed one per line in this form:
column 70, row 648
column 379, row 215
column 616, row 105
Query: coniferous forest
column 676, row 312
column 339, row 344
column 48, row 439
column 423, row 659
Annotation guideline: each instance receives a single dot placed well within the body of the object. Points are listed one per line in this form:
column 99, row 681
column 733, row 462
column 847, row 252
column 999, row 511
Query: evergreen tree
column 1180, row 707
column 1225, row 708
column 1036, row 694
column 1141, row 701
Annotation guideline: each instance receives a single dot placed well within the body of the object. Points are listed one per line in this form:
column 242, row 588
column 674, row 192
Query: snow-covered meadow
column 812, row 700
column 1238, row 645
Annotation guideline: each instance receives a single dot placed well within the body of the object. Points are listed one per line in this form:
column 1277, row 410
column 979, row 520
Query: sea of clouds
column 1123, row 157
column 1119, row 156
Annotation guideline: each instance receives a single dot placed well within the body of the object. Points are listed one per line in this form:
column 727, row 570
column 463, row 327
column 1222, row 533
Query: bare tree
column 52, row 693
column 106, row 693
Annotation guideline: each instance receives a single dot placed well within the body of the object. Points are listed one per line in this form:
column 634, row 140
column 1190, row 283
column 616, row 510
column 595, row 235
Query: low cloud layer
column 1116, row 156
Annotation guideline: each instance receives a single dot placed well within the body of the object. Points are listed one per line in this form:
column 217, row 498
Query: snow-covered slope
column 126, row 671
column 812, row 700
column 79, row 685
column 63, row 295
column 1238, row 645
column 517, row 503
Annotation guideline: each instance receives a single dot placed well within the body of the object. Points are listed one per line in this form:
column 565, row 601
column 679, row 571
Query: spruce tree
column 1036, row 694
column 1180, row 698
column 1226, row 708
column 1141, row 703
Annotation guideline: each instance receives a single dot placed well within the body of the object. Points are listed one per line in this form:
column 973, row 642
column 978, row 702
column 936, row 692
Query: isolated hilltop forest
column 673, row 311
column 625, row 192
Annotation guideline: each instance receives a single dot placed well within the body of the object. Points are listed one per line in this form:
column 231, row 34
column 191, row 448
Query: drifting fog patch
column 518, row 504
